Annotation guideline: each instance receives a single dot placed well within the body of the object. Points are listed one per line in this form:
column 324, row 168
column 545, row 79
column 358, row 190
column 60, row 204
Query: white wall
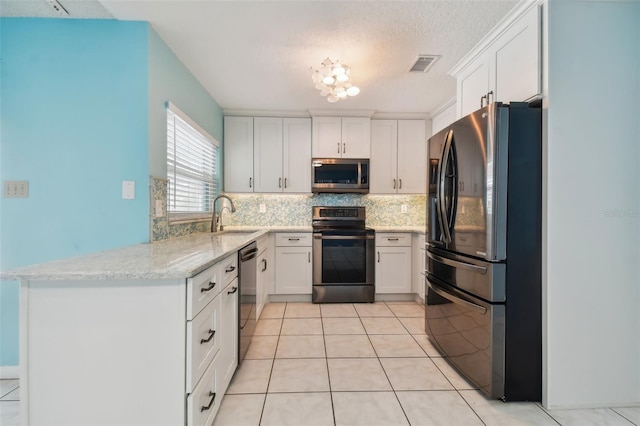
column 592, row 278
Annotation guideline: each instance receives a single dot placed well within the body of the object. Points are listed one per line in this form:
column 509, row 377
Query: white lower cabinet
column 204, row 402
column 229, row 345
column 418, row 264
column 265, row 273
column 393, row 262
column 293, row 263
column 212, row 343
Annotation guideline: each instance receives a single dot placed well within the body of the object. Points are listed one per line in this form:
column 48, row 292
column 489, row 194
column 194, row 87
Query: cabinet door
column 229, row 329
column 412, row 157
column 296, row 154
column 293, row 270
column 267, row 154
column 473, row 84
column 393, row 269
column 265, row 273
column 384, row 151
column 238, row 154
column 517, row 59
column 356, row 137
column 327, row 137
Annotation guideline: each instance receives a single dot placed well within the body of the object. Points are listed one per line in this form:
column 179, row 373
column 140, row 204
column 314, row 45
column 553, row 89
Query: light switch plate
column 128, row 189
column 16, row 189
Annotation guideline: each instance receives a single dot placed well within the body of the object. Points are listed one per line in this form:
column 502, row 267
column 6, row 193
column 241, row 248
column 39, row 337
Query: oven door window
column 344, row 260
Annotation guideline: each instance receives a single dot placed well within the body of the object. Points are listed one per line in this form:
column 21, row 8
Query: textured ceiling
column 256, row 54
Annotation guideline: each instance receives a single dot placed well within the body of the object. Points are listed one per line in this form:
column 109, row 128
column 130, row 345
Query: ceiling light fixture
column 333, row 80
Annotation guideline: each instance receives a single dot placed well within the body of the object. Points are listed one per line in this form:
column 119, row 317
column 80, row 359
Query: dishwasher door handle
column 248, row 255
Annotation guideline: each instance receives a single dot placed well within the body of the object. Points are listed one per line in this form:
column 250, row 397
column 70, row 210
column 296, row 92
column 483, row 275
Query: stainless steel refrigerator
column 483, row 277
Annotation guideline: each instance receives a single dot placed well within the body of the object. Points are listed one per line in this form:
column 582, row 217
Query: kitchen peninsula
column 116, row 335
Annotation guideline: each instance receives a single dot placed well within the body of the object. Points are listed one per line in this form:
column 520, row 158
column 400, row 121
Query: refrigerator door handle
column 457, row 264
column 444, row 222
column 454, row 299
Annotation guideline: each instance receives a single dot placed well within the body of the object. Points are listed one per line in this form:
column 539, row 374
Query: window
column 192, row 168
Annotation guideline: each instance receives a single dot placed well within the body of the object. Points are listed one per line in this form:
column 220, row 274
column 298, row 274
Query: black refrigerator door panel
column 469, row 332
column 472, row 184
column 479, row 278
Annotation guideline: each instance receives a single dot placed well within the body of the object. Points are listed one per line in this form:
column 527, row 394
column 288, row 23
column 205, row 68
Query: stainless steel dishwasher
column 247, row 300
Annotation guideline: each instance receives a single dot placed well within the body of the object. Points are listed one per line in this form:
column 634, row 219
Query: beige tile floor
column 363, row 364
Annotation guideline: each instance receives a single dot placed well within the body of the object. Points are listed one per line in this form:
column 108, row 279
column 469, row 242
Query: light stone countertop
column 177, row 258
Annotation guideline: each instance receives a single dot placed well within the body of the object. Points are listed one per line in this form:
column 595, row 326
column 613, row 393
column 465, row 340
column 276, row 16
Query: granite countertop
column 178, row 258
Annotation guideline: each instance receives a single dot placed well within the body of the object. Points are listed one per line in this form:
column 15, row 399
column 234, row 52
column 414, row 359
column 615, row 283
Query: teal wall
column 169, row 80
column 82, row 109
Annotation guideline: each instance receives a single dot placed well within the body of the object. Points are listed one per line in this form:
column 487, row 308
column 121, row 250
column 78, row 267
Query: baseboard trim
column 9, row 371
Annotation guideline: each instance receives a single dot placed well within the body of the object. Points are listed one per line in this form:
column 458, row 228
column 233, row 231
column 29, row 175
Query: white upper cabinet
column 398, row 157
column 341, row 137
column 238, row 154
column 505, row 68
column 267, row 154
column 296, row 155
column 282, row 154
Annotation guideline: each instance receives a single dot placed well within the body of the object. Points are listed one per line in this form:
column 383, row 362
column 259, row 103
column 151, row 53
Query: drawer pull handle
column 208, row 339
column 393, row 239
column 294, row 239
column 233, row 290
column 206, row 407
column 231, row 269
column 210, row 287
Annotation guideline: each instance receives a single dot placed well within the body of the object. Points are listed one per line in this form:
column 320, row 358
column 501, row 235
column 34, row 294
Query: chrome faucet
column 215, row 218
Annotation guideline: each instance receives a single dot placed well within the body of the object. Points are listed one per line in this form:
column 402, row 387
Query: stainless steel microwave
column 340, row 175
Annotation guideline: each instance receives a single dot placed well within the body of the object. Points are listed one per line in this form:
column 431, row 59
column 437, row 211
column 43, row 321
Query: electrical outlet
column 159, row 212
column 16, row 189
column 403, row 208
column 263, row 208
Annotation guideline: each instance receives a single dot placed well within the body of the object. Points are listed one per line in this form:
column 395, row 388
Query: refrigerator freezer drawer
column 483, row 279
column 470, row 333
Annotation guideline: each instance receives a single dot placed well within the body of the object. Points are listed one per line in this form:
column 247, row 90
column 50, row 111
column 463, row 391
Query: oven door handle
column 343, row 237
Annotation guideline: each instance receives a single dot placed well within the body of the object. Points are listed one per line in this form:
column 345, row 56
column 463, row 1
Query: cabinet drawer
column 203, row 342
column 293, row 239
column 202, row 289
column 390, row 239
column 204, row 402
column 229, row 268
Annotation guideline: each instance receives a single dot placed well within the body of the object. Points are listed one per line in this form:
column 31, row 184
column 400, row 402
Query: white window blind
column 192, row 167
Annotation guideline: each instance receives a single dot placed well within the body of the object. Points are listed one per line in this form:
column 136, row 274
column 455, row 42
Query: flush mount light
column 332, row 78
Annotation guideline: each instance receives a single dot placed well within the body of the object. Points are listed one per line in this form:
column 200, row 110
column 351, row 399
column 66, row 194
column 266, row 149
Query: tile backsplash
column 295, row 209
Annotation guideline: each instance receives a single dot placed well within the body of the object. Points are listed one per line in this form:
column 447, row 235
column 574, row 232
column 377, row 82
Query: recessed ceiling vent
column 423, row 63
